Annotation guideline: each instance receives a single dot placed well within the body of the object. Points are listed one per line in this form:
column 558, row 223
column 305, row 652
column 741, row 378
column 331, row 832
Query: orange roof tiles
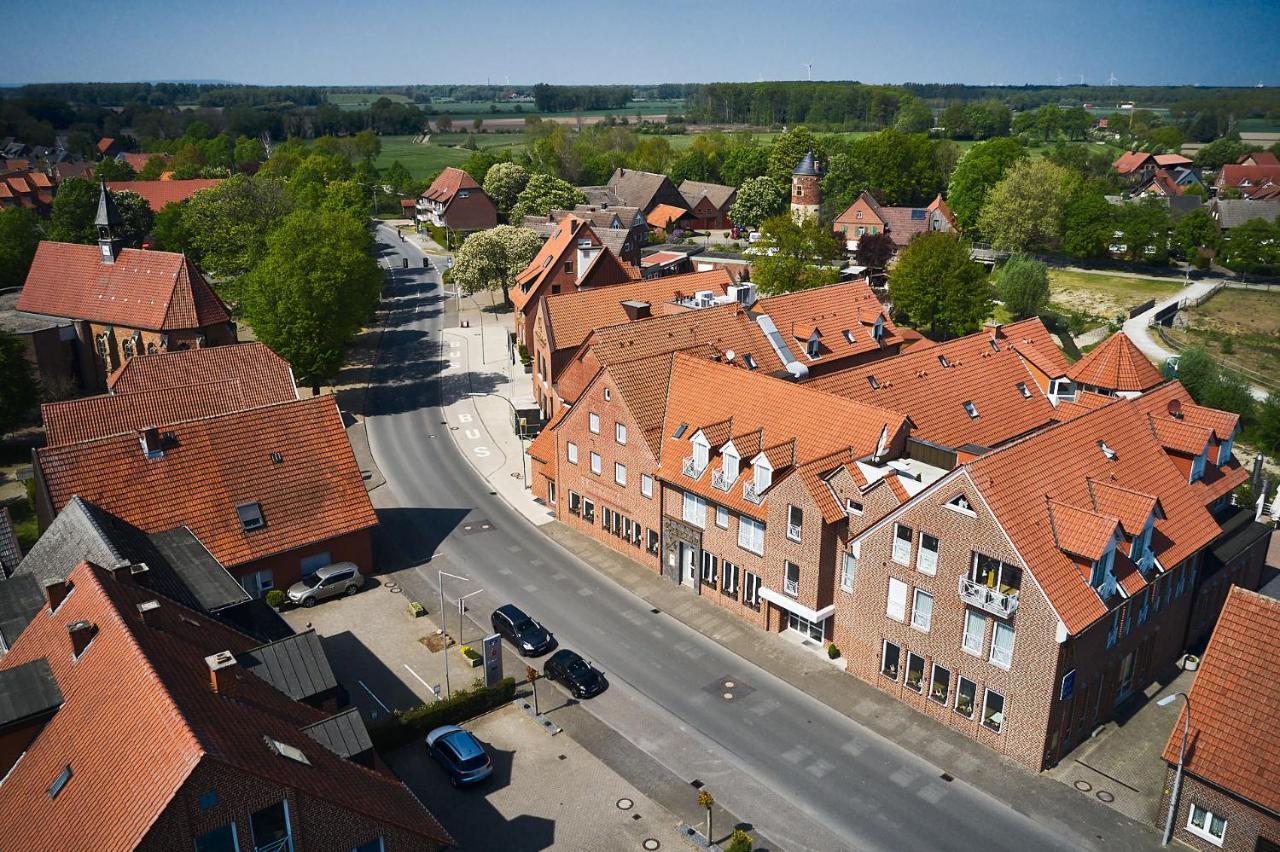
column 264, row 376
column 1235, row 175
column 160, row 193
column 155, row 290
column 212, row 465
column 664, row 214
column 447, row 184
column 1130, row 161
column 933, row 395
column 85, row 419
column 838, row 312
column 139, row 719
column 643, row 385
column 1179, row 436
column 1234, row 740
column 529, row 280
column 1080, row 531
column 1116, row 365
column 1131, row 508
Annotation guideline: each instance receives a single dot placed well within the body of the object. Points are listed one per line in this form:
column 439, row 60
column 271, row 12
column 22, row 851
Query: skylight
column 250, row 515
column 286, row 750
column 872, row 381
column 751, row 362
column 970, row 409
column 61, row 781
column 1024, row 390
column 848, row 335
column 942, row 359
column 680, row 430
column 1107, row 451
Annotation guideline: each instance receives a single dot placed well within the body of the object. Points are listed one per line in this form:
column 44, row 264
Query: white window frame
column 751, row 535
column 620, row 474
column 571, row 452
column 921, row 624
column 750, row 588
column 646, row 485
column 1002, row 656
column 954, row 505
column 709, row 568
column 924, row 673
column 967, row 641
column 795, row 530
column 593, row 422
column 1207, row 831
column 982, row 712
column 722, row 517
column 694, row 509
column 901, row 546
column 730, row 585
column 895, row 605
column 597, row 463
column 791, row 587
column 848, row 572
column 933, row 679
column 620, row 433
column 927, row 560
column 960, row 681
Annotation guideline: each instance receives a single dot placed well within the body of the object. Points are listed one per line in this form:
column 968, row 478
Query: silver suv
column 340, row 578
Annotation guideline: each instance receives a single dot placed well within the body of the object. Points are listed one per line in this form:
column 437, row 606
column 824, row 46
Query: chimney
column 149, row 612
column 223, row 669
column 636, row 309
column 82, row 633
column 1175, row 409
column 997, row 330
column 150, row 440
column 55, row 593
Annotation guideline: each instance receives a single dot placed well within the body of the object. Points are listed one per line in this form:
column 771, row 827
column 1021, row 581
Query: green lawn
column 1104, row 295
column 361, row 100
column 420, row 160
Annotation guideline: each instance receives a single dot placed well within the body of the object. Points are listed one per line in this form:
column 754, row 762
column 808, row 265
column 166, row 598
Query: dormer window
column 701, row 451
column 1224, row 451
column 1197, row 465
column 877, row 330
column 729, row 462
column 761, row 474
column 1140, row 550
column 250, row 515
column 1101, row 577
column 812, row 346
column 848, row 336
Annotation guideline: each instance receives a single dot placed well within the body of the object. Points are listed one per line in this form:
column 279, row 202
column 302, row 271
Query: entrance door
column 805, row 627
column 688, row 565
column 258, row 583
column 1126, row 678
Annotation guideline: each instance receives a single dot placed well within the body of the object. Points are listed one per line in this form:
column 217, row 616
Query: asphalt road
column 808, row 777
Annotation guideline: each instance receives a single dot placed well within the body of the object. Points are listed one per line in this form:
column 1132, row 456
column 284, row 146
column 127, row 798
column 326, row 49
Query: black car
column 582, row 679
column 530, row 638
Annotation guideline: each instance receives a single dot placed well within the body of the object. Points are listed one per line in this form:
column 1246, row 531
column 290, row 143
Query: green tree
column 227, row 225
column 914, row 116
column 1144, row 229
column 1194, row 231
column 156, row 165
column 348, row 197
column 898, row 169
column 479, row 162
column 136, row 218
column 544, row 193
column 17, row 377
column 743, row 161
column 1212, row 385
column 1023, row 286
column 74, row 209
column 444, row 122
column 18, row 240
column 248, row 154
column 788, row 150
column 1024, row 211
column 169, row 233
column 1219, row 152
column 979, row 169
column 935, row 285
column 400, row 180
column 1251, row 246
column 316, row 285
column 110, row 169
column 490, row 260
column 1087, row 222
column 758, row 199
column 794, row 255
column 503, row 183
column 1268, row 426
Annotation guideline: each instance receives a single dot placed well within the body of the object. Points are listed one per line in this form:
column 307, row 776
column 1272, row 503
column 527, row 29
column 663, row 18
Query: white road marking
column 374, row 697
column 415, row 674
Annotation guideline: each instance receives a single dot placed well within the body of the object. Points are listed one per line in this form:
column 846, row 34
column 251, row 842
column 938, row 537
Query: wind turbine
column 1111, row 81
column 809, row 65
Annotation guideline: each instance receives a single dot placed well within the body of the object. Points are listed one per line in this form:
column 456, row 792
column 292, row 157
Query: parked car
column 460, row 754
column 580, row 677
column 530, row 638
column 340, row 578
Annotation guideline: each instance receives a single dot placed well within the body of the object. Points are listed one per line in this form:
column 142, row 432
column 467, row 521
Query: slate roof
column 344, row 734
column 160, row 193
column 295, row 665
column 636, row 188
column 1230, row 212
column 210, row 466
column 835, row 311
column 148, row 688
column 21, row 598
column 989, row 377
column 1234, row 740
column 10, row 550
column 263, row 375
column 200, row 574
column 807, row 166
column 27, row 690
column 1116, row 365
column 74, row 420
column 154, row 290
column 718, row 194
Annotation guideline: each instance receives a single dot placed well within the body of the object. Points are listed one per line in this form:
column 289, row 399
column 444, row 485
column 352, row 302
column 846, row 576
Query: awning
column 792, row 605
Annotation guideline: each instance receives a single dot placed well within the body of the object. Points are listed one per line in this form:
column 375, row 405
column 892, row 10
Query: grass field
column 420, row 160
column 1258, row 125
column 1240, row 326
column 360, row 100
column 1101, row 295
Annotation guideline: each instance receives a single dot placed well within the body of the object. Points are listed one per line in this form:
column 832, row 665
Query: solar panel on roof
column 917, row 214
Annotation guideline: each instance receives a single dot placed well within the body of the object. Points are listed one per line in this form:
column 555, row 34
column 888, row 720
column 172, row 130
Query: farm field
column 420, row 160
column 361, row 100
column 1241, row 327
column 1102, row 295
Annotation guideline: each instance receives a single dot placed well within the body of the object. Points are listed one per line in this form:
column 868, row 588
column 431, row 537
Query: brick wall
column 286, row 567
column 1245, row 571
column 151, row 341
column 1245, row 823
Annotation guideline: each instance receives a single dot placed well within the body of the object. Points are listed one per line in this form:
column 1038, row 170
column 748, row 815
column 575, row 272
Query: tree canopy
column 794, row 255
column 503, row 183
column 18, row 240
column 544, row 193
column 1023, row 286
column 21, row 393
column 979, row 169
column 935, row 285
column 758, row 199
column 490, row 260
column 226, row 226
column 1023, row 212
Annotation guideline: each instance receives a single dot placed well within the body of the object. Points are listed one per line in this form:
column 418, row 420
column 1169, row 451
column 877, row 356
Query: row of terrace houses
column 1002, row 546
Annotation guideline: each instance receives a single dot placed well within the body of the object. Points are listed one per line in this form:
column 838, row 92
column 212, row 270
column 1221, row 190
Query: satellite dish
column 728, row 356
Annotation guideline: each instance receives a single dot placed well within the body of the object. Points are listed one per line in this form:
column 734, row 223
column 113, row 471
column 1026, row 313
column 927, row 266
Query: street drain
column 561, row 757
column 624, row 804
column 696, row 784
column 636, row 817
column 655, row 610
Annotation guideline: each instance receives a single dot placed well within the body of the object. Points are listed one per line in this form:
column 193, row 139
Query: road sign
column 492, row 659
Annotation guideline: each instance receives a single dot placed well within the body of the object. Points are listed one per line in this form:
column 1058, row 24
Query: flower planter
column 472, row 657
column 1190, row 662
column 416, row 610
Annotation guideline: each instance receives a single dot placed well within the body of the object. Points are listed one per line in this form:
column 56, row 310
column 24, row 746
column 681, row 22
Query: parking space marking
column 374, row 697
column 419, row 678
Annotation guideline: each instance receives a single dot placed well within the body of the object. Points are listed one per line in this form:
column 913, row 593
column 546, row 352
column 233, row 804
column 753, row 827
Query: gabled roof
column 1081, row 531
column 1234, row 740
column 212, row 465
column 139, row 718
column 1259, row 158
column 643, row 385
column 664, row 214
column 1116, row 365
column 1179, row 436
column 1059, row 465
column 718, row 194
column 1231, row 212
column 295, row 665
column 837, row 312
column 160, row 193
column 263, row 375
column 155, row 290
column 636, row 188
column 933, row 395
column 1131, row 508
column 1234, row 175
column 74, row 420
column 447, row 184
column 1166, row 161
column 529, row 280
column 1130, row 161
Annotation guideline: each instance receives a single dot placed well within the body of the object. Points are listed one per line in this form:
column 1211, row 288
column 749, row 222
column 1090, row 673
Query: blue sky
column 644, row 41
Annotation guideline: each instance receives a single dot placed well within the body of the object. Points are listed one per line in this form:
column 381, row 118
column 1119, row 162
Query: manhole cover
column 728, row 687
column 1104, row 796
column 476, row 527
column 1083, row 786
column 392, row 587
column 651, row 843
column 625, row 804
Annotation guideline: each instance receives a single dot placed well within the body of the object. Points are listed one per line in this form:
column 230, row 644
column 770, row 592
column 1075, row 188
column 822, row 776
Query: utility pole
column 443, row 631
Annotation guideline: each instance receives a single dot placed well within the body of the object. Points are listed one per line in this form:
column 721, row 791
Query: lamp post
column 440, row 582
column 461, row 609
column 524, row 471
column 1182, row 753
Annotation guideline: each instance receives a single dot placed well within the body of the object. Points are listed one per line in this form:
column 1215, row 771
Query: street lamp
column 460, row 611
column 1182, row 753
column 443, row 627
column 524, row 471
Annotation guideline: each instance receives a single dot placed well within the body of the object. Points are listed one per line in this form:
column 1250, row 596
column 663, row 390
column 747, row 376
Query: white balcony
column 720, row 479
column 791, row 587
column 750, row 494
column 994, row 601
column 690, row 467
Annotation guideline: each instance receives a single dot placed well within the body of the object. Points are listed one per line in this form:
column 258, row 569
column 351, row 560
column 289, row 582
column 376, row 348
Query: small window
column 942, row 359
column 1206, row 824
column 1024, row 390
column 620, row 473
column 751, row 589
column 646, row 485
column 922, row 610
column 896, row 602
column 595, row 463
column 730, row 585
column 871, row 380
column 608, row 395
column 751, row 535
column 593, row 422
column 694, row 509
column 220, row 839
column 59, row 782
column 915, row 672
column 960, row 503
column 285, row 750
column 901, row 544
column 848, row 572
column 848, row 336
column 722, row 517
column 970, row 409
column 927, row 554
column 795, row 521
column 620, row 433
column 709, row 566
column 568, row 266
column 208, row 799
column 966, row 697
column 571, row 452
column 653, row 541
column 1002, row 645
column 857, row 214
column 890, row 657
column 588, row 511
column 751, row 362
column 993, row 711
column 791, row 580
column 250, row 515
column 940, row 684
column 374, row 845
column 853, row 507
column 975, row 629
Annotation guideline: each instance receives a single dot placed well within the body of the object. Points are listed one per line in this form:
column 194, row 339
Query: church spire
column 108, row 224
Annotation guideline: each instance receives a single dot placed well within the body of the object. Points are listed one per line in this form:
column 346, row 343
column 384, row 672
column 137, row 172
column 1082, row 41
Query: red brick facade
column 1248, row 828
column 286, row 568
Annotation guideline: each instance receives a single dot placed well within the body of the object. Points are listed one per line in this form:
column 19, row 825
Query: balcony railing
column 690, row 467
column 993, row 601
column 750, row 493
column 791, row 587
column 793, row 531
column 720, row 479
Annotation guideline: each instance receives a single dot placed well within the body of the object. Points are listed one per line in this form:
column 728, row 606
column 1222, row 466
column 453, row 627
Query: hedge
column 417, row 722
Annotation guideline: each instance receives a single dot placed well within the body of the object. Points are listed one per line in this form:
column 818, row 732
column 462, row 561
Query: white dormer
column 729, row 461
column 701, row 450
column 1061, row 389
column 761, row 473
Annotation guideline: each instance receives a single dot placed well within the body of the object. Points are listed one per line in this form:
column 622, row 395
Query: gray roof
column 807, row 166
column 107, row 212
column 1230, row 212
column 613, row 238
column 601, row 196
column 344, row 734
column 15, row 321
column 718, row 194
column 21, row 598
column 635, row 188
column 202, row 575
column 295, row 665
column 10, row 551
column 28, row 690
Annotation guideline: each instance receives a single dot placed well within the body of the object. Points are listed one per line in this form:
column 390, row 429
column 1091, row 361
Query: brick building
column 273, row 492
column 806, row 189
column 622, row 229
column 130, row 722
column 1024, row 595
column 709, row 203
column 634, row 188
column 115, row 303
column 455, row 201
column 866, row 216
column 831, row 328
column 1230, row 793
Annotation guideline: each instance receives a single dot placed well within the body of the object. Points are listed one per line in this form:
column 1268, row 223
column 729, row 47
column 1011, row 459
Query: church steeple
column 108, row 224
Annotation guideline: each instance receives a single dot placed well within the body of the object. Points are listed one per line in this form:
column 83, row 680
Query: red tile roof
column 1081, row 531
column 139, row 718
column 160, row 193
column 154, row 290
column 1061, row 464
column 1234, row 740
column 264, row 376
column 837, row 312
column 104, row 143
column 212, row 465
column 1179, row 436
column 1116, row 365
column 602, row 268
column 1166, row 161
column 1259, row 158
column 1234, row 175
column 1130, row 161
column 933, row 395
column 663, row 214
column 85, row 419
column 447, row 184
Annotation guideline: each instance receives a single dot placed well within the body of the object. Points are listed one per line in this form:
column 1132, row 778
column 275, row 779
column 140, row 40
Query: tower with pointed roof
column 806, row 189
column 108, row 224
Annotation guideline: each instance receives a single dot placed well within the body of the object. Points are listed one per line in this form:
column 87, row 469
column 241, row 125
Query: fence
column 1253, row 376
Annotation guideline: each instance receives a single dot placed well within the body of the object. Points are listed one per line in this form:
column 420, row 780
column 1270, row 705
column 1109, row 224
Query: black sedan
column 530, row 638
column 580, row 677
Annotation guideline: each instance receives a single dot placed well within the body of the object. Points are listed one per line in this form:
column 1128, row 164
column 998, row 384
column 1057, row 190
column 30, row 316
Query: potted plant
column 275, row 599
column 965, row 705
column 471, row 655
column 833, row 653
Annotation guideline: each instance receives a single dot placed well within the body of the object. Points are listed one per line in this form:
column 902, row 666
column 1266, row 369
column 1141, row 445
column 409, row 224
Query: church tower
column 108, row 223
column 806, row 189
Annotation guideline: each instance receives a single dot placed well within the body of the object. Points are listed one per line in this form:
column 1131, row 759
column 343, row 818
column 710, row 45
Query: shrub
column 417, row 722
column 739, row 842
column 833, row 652
column 275, row 598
